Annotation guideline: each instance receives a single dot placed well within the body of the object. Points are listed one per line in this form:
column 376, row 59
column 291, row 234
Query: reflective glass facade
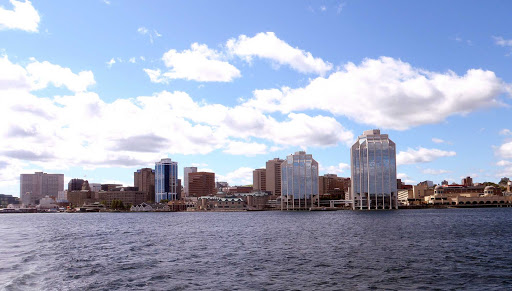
column 373, row 172
column 299, row 180
column 166, row 180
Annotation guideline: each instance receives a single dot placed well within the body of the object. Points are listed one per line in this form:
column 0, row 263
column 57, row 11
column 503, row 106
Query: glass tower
column 299, row 181
column 166, row 180
column 373, row 171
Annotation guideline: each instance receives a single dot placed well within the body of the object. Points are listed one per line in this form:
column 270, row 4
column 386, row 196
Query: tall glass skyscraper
column 299, row 181
column 166, row 180
column 373, row 172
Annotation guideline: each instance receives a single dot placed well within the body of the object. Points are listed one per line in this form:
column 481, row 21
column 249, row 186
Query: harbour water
column 404, row 249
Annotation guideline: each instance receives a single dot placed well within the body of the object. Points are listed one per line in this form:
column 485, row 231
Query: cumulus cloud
column 505, row 150
column 23, row 16
column 240, row 176
column 421, row 155
column 385, row 87
column 80, row 129
column 38, row 75
column 266, row 45
column 199, row 63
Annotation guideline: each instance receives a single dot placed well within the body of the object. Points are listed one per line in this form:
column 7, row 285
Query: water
column 405, row 249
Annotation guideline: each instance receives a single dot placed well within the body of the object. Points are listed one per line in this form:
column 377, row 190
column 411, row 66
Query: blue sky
column 101, row 88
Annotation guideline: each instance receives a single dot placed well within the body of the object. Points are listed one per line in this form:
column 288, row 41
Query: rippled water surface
column 404, row 249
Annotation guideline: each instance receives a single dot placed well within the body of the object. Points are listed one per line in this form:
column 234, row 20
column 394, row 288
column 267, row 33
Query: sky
column 98, row 89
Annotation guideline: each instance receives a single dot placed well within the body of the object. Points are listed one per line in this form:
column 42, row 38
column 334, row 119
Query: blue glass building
column 373, row 172
column 166, row 180
column 299, row 181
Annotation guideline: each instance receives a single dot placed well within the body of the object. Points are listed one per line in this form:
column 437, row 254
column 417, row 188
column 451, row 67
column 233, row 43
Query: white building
column 186, row 171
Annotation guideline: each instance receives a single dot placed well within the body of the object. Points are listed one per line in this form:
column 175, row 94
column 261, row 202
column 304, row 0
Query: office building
column 299, row 181
column 166, row 180
column 75, row 184
column 333, row 185
column 35, row 186
column 144, row 180
column 259, row 180
column 373, row 170
column 201, row 184
column 467, row 182
column 273, row 176
column 186, row 171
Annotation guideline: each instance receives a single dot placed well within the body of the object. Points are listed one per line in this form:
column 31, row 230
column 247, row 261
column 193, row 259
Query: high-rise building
column 373, row 170
column 259, row 180
column 35, row 186
column 144, row 179
column 75, row 184
column 166, row 180
column 201, row 184
column 273, row 176
column 299, row 181
column 467, row 182
column 186, row 171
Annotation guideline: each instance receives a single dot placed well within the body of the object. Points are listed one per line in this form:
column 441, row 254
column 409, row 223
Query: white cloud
column 504, row 163
column 82, row 130
column 398, row 95
column 106, row 2
column 38, row 75
column 152, row 34
column 269, row 46
column 111, row 62
column 498, row 40
column 323, row 8
column 240, row 176
column 338, row 169
column 437, row 140
column 23, row 16
column 505, row 131
column 245, row 148
column 421, row 155
column 505, row 150
column 132, row 60
column 340, row 7
column 435, row 171
column 199, row 64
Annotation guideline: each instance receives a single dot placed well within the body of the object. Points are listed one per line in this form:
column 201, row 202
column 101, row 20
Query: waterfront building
column 299, row 181
column 166, row 180
column 110, row 187
column 259, row 180
column 186, row 171
column 333, row 185
column 373, row 172
column 83, row 196
column 62, row 196
column 201, row 184
column 144, row 180
column 75, row 184
column 273, row 176
column 129, row 196
column 35, row 186
column 7, row 199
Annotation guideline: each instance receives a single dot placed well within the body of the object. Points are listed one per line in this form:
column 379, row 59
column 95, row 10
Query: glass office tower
column 166, row 180
column 299, row 181
column 373, row 172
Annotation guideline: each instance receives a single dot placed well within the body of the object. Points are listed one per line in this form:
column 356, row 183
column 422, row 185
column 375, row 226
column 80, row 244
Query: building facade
column 35, row 186
column 259, row 180
column 186, row 171
column 373, row 172
column 166, row 180
column 75, row 184
column 144, row 179
column 201, row 184
column 273, row 176
column 299, row 181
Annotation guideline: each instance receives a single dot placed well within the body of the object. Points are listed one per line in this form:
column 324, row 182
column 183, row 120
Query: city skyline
column 96, row 90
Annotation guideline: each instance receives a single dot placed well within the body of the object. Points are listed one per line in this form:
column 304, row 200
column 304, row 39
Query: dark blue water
column 405, row 249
